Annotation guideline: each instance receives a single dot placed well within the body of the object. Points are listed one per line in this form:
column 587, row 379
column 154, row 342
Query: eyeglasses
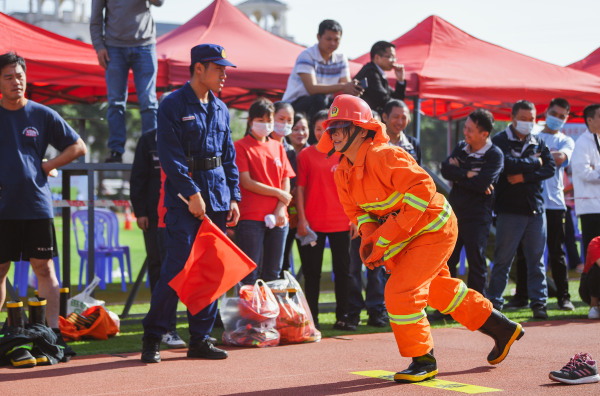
column 390, row 57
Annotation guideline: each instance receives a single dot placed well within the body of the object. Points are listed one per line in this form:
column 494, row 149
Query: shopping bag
column 84, row 300
column 249, row 318
column 294, row 322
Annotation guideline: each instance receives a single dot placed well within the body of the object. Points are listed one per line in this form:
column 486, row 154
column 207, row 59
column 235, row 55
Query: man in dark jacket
column 377, row 89
column 473, row 168
column 520, row 207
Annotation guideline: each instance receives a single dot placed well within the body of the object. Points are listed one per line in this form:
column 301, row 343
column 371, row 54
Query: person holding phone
column 372, row 78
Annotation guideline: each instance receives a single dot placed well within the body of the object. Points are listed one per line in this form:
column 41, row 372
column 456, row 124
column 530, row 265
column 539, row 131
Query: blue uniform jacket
column 468, row 197
column 186, row 129
column 521, row 157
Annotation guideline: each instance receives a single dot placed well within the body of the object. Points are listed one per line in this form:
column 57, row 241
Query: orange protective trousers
column 420, row 276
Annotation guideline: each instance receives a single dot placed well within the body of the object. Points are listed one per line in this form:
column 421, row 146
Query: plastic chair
column 115, row 249
column 106, row 233
column 21, row 275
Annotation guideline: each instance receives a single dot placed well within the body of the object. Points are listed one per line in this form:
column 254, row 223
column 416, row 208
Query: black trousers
column 153, row 252
column 473, row 235
column 312, row 261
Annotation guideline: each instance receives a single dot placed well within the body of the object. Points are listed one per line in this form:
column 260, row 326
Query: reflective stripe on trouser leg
column 450, row 295
column 407, row 290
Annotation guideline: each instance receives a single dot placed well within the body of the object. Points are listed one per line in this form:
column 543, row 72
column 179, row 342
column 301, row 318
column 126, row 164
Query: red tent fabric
column 214, row 266
column 454, row 72
column 590, row 63
column 264, row 61
column 59, row 69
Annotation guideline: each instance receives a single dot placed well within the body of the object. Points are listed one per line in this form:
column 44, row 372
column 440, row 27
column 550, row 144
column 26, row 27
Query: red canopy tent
column 59, row 69
column 452, row 72
column 264, row 61
column 589, row 64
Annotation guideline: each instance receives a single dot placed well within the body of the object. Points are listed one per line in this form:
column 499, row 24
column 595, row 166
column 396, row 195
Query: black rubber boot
column 37, row 316
column 422, row 368
column 16, row 314
column 20, row 355
column 504, row 332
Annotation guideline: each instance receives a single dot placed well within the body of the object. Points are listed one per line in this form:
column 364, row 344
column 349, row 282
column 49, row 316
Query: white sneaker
column 172, row 340
column 594, row 313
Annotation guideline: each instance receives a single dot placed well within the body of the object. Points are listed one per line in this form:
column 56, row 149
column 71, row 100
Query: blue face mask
column 554, row 123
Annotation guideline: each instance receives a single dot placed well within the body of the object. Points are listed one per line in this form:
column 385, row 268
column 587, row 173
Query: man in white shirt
column 319, row 72
column 586, row 176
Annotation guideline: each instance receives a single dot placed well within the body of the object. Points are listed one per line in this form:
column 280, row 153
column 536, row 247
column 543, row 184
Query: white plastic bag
column 84, row 300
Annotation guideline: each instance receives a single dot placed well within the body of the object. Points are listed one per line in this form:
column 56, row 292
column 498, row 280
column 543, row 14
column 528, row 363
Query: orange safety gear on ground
column 416, row 238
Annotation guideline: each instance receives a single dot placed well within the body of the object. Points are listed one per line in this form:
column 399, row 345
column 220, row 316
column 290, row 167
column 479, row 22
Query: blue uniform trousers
column 182, row 228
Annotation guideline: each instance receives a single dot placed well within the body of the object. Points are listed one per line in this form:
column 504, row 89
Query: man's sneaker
column 581, row 369
column 115, row 156
column 150, row 350
column 378, row 319
column 422, row 368
column 172, row 340
column 206, row 350
column 21, row 357
column 539, row 311
column 515, row 303
column 594, row 313
column 346, row 326
column 565, row 304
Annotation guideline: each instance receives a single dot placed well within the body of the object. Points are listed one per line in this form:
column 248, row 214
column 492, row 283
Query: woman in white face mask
column 265, row 173
column 284, row 118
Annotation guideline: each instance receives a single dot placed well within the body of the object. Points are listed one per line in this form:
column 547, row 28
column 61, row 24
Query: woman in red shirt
column 265, row 174
column 319, row 209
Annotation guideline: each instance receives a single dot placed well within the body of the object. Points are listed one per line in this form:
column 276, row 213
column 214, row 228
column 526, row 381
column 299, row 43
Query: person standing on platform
column 26, row 217
column 124, row 37
column 198, row 157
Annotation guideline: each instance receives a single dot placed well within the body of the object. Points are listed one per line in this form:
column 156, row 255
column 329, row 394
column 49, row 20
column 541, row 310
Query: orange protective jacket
column 386, row 185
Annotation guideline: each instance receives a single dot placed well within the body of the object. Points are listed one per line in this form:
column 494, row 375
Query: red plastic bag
column 294, row 322
column 257, row 302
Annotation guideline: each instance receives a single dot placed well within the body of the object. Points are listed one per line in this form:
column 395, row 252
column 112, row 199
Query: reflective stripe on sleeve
column 435, row 225
column 366, row 218
column 415, row 202
column 387, row 203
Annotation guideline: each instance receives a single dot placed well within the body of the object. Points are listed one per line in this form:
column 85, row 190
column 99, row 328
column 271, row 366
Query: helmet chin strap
column 351, row 139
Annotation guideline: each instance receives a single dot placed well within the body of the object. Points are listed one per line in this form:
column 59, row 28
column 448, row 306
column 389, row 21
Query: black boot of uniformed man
column 504, row 332
column 422, row 368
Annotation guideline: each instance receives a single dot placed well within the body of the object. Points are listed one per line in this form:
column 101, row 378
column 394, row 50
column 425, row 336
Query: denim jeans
column 511, row 229
column 256, row 240
column 142, row 62
column 376, row 279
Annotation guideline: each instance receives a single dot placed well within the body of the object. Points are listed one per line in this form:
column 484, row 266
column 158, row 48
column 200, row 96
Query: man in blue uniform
column 473, row 168
column 197, row 155
column 26, row 218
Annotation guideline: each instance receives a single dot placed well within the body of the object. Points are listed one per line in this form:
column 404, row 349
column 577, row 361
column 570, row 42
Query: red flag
column 214, row 266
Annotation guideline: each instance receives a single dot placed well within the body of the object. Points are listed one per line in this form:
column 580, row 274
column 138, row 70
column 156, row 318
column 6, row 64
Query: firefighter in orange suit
column 409, row 228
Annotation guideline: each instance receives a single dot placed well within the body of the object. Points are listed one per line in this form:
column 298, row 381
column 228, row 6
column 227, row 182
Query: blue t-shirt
column 554, row 197
column 24, row 137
